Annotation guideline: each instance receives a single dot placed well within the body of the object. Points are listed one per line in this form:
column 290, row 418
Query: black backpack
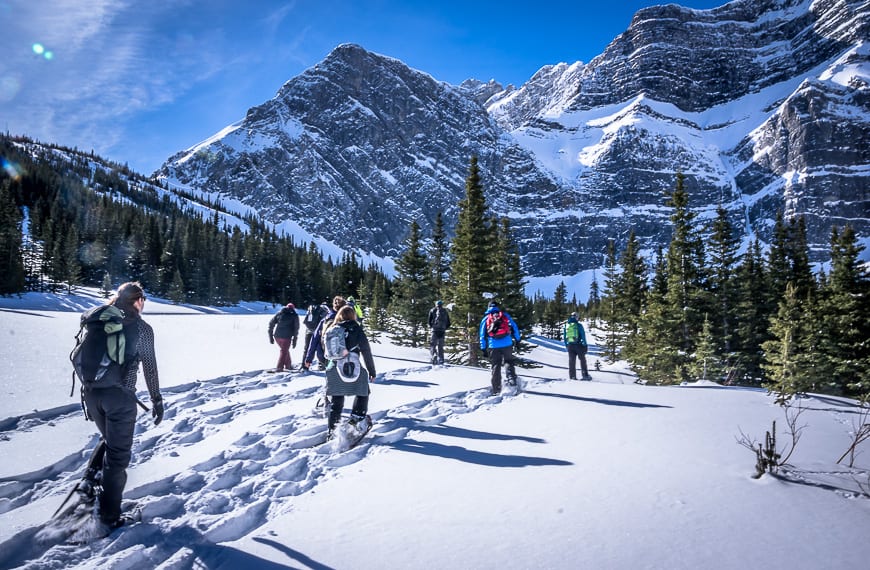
column 313, row 317
column 101, row 357
column 440, row 321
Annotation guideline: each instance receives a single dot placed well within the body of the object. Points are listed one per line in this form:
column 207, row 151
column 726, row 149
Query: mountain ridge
column 762, row 105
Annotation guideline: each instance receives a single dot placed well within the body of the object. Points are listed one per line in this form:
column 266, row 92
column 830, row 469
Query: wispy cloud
column 110, row 61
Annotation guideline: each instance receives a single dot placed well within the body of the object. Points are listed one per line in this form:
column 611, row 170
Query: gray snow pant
column 114, row 412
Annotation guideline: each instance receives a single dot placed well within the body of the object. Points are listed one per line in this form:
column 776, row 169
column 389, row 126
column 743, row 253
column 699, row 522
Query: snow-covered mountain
column 763, row 105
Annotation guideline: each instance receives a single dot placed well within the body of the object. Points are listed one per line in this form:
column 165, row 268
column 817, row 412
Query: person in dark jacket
column 498, row 344
column 574, row 337
column 113, row 408
column 316, row 346
column 338, row 383
column 312, row 320
column 439, row 322
column 283, row 329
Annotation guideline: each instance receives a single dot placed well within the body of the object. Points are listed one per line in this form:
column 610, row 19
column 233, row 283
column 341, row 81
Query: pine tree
column 11, row 250
column 470, row 275
column 789, row 357
column 439, row 264
column 631, row 284
column 706, row 363
column 611, row 321
column 843, row 317
column 412, row 292
column 799, row 257
column 723, row 260
column 177, row 292
column 752, row 316
column 511, row 278
column 106, row 287
column 685, row 296
column 778, row 265
column 593, row 305
column 554, row 314
column 657, row 354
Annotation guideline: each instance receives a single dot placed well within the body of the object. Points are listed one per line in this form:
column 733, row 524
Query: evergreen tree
column 611, row 322
column 723, row 260
column 510, row 279
column 555, row 312
column 801, row 273
column 593, row 305
column 778, row 266
column 106, row 287
column 657, row 354
column 789, row 355
column 376, row 319
column 177, row 292
column 752, row 317
column 843, row 317
column 412, row 292
column 11, row 250
column 439, row 263
column 631, row 285
column 470, row 276
column 685, row 296
column 707, row 361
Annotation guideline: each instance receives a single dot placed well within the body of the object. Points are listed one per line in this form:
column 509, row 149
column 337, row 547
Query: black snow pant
column 114, row 411
column 497, row 357
column 576, row 351
column 360, row 408
column 436, row 347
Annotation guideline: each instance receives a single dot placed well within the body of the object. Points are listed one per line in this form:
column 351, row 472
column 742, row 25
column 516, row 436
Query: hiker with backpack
column 439, row 322
column 359, row 312
column 283, row 329
column 313, row 316
column 498, row 332
column 316, row 347
column 109, row 395
column 574, row 337
column 344, row 343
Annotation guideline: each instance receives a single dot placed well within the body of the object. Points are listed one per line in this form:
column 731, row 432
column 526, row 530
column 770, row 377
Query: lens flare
column 12, row 169
column 40, row 50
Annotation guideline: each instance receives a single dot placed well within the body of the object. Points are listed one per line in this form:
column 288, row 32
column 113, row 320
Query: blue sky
column 137, row 81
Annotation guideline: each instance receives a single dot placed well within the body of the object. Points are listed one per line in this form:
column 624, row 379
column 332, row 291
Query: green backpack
column 572, row 332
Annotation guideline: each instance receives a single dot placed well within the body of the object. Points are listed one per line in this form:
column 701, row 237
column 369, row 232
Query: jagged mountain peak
column 763, row 105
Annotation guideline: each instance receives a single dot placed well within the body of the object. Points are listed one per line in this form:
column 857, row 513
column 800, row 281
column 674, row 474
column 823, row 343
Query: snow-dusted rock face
column 764, row 105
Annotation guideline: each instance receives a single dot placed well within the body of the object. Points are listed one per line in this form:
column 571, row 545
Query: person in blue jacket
column 498, row 333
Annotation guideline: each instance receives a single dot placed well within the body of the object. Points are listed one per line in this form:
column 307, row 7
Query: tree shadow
column 597, row 400
column 476, row 457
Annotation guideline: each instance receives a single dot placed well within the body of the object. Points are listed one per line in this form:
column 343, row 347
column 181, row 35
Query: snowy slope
column 602, row 474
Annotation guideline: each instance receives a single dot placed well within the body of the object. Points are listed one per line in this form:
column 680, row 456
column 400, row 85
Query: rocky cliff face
column 762, row 104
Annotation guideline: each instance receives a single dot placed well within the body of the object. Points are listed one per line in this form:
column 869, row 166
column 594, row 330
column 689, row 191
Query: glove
column 485, row 352
column 271, row 339
column 516, row 343
column 372, row 377
column 157, row 411
column 293, row 342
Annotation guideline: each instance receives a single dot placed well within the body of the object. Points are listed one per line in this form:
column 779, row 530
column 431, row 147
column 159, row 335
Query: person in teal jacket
column 498, row 333
column 575, row 342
